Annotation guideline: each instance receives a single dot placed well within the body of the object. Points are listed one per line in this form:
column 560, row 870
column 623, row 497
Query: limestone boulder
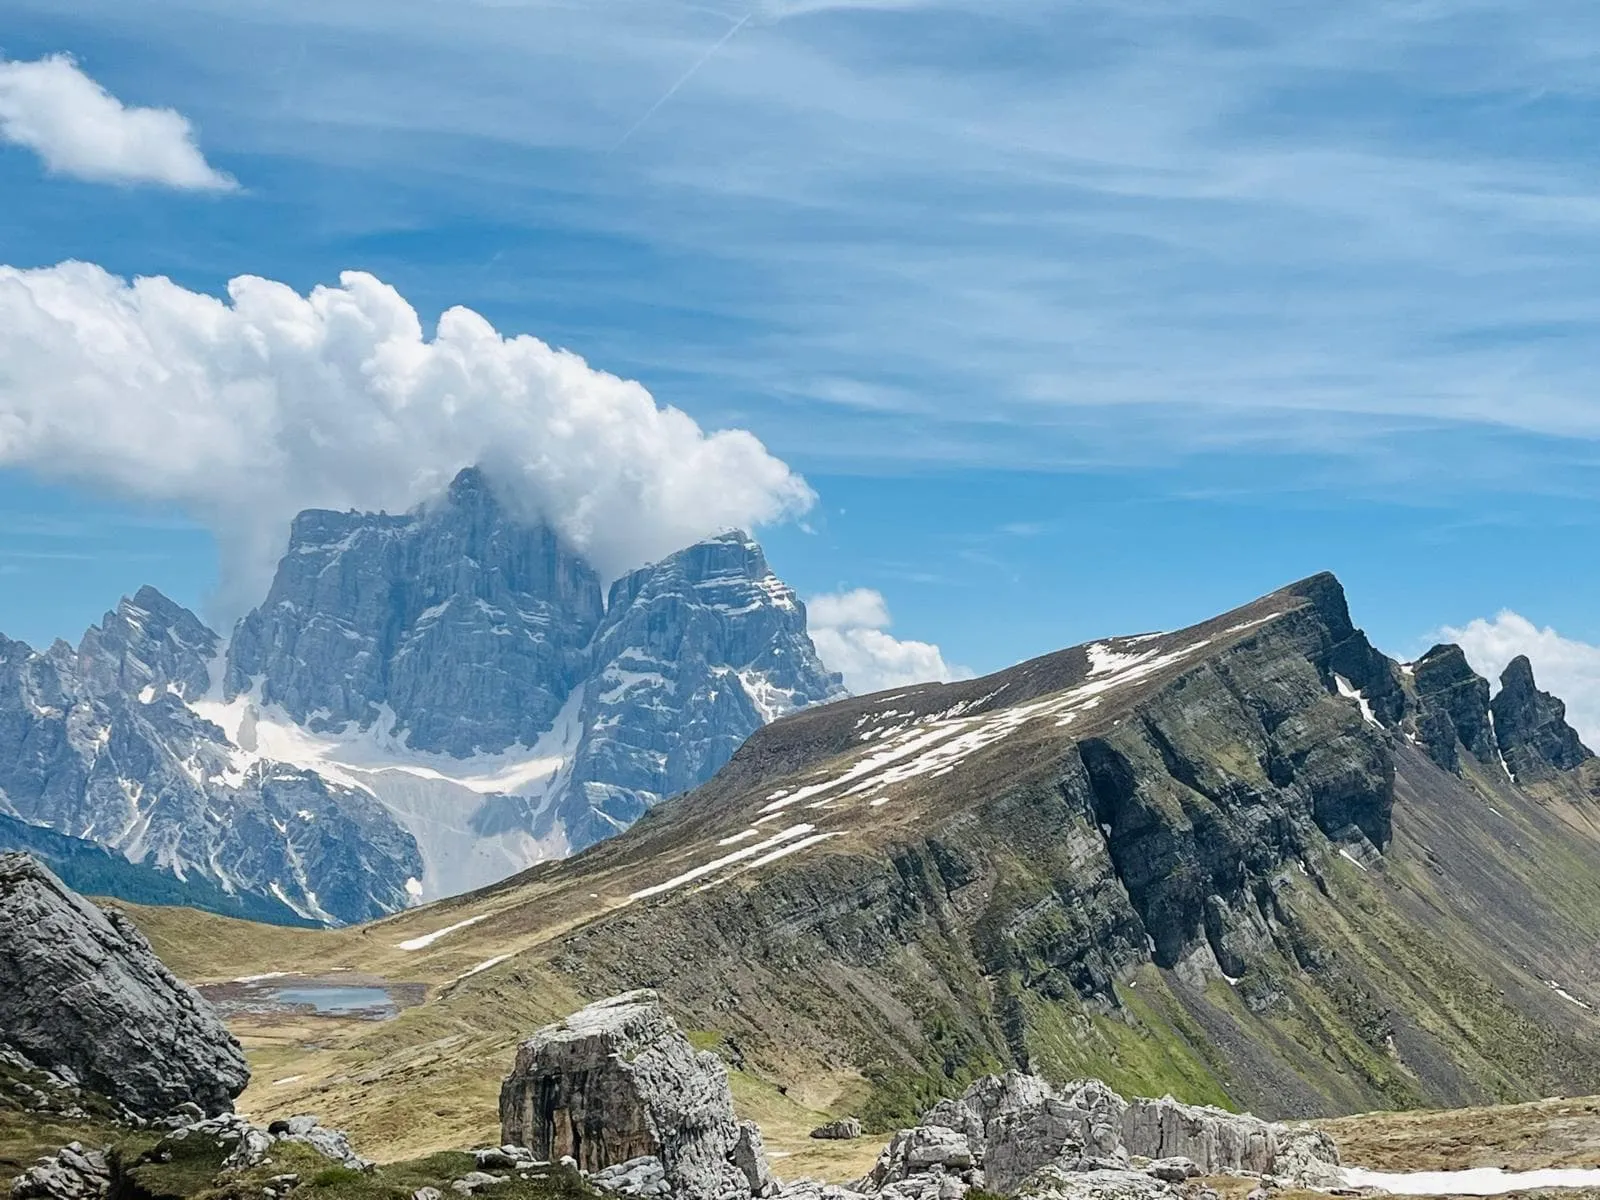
column 618, row 1081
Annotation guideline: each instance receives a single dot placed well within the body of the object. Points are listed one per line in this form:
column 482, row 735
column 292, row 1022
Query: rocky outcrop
column 81, row 990
column 1453, row 708
column 1217, row 1141
column 1018, row 1135
column 148, row 644
column 843, row 1130
column 617, row 1082
column 75, row 1172
column 1532, row 726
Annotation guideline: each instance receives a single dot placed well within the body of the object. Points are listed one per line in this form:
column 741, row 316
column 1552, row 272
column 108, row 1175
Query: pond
column 340, row 1000
column 361, row 997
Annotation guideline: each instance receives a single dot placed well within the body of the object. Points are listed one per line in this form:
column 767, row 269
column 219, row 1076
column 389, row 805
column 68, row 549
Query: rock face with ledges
column 81, row 989
column 617, row 1082
column 1532, row 726
column 1453, row 704
column 148, row 642
column 695, row 654
column 464, row 623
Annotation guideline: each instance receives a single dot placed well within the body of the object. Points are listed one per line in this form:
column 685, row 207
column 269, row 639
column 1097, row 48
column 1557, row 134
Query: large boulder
column 616, row 1082
column 82, row 992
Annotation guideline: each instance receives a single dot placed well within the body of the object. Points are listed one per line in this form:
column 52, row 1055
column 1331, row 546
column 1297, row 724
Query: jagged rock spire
column 1532, row 726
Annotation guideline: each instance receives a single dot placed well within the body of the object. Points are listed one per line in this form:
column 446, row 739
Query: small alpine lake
column 359, row 997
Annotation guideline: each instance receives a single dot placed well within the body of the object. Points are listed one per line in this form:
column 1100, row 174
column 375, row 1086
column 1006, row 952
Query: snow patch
column 428, row 939
column 1566, row 995
column 1350, row 692
column 727, row 860
column 483, row 966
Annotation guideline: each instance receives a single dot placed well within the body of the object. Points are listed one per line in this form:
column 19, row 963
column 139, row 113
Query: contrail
column 682, row 79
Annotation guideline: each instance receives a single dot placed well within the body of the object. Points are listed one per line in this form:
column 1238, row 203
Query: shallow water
column 337, row 1000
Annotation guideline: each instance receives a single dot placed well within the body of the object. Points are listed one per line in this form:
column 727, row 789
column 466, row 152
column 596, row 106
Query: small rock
column 1173, row 1170
column 427, row 1193
column 844, row 1129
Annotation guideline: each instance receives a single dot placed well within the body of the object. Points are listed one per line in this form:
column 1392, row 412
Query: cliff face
column 466, row 624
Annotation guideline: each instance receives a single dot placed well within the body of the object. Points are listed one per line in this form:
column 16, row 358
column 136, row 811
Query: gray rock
column 139, row 772
column 1532, row 726
column 1453, row 703
column 617, row 1081
column 1019, row 1135
column 467, row 622
column 695, row 653
column 1056, row 1183
column 1219, row 1142
column 1307, row 1157
column 427, row 1193
column 1173, row 1170
column 81, row 989
column 845, row 1129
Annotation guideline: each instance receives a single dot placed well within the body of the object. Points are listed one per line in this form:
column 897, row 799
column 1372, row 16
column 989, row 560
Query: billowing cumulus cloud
column 1562, row 665
column 850, row 630
column 242, row 411
column 80, row 129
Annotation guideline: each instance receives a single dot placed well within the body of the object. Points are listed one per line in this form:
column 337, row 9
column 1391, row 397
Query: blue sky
column 1077, row 319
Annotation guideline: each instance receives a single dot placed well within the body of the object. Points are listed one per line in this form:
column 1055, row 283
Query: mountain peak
column 471, row 489
column 1532, row 726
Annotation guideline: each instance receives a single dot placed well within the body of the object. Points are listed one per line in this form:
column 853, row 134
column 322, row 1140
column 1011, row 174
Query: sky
column 1004, row 325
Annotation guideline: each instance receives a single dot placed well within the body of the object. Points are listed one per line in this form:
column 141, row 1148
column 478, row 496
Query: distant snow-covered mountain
column 423, row 704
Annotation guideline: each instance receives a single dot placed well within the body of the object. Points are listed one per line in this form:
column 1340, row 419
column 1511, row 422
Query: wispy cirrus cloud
column 1061, row 233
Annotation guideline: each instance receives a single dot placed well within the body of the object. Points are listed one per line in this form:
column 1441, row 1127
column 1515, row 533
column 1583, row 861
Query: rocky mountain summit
column 424, row 703
column 83, row 996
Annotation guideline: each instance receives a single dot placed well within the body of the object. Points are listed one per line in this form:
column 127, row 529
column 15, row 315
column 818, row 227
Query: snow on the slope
column 483, row 966
column 443, row 802
column 727, row 860
column 428, row 939
column 1504, row 766
column 937, row 746
column 1564, row 994
column 931, row 745
column 1350, row 692
column 770, row 700
column 1475, row 1181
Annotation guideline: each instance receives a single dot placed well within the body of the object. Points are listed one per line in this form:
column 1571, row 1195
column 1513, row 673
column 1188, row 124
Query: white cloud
column 850, row 633
column 1567, row 667
column 243, row 411
column 80, row 129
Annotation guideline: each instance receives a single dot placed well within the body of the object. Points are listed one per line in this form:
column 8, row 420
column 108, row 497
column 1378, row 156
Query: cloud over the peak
column 1562, row 665
column 80, row 129
column 243, row 411
column 850, row 630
